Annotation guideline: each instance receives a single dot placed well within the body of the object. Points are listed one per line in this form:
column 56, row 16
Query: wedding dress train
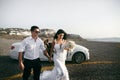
column 59, row 71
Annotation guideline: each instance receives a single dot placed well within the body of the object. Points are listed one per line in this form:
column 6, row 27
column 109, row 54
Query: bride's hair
column 59, row 32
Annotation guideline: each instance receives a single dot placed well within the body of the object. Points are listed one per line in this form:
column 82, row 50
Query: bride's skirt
column 59, row 72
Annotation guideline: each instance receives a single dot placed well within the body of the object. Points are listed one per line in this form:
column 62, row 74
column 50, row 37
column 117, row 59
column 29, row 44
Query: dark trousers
column 29, row 64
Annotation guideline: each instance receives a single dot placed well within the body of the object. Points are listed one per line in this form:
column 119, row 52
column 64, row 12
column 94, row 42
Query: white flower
column 70, row 45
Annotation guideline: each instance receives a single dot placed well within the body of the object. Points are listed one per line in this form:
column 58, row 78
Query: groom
column 32, row 46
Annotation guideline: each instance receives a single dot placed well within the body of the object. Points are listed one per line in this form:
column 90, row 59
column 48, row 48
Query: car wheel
column 78, row 57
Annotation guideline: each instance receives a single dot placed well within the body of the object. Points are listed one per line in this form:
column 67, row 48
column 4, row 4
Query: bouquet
column 70, row 45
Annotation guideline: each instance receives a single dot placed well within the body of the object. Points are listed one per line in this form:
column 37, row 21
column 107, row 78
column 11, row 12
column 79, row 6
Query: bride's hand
column 67, row 49
column 50, row 59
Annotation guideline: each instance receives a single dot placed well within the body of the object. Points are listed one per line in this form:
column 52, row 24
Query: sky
column 88, row 18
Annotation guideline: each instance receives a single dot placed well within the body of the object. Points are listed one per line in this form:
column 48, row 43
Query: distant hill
column 49, row 34
column 75, row 37
column 44, row 34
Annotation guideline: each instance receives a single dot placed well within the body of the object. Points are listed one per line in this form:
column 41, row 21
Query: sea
column 105, row 39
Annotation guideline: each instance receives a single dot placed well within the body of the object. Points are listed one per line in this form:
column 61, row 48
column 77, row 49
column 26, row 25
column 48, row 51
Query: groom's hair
column 33, row 28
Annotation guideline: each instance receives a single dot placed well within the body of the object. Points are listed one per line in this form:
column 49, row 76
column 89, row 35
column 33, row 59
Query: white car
column 77, row 55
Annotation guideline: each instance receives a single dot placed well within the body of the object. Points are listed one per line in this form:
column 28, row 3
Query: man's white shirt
column 32, row 48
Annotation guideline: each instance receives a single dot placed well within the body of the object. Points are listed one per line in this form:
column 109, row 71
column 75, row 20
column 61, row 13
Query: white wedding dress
column 59, row 71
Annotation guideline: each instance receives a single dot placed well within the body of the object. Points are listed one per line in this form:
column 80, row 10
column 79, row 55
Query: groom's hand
column 21, row 65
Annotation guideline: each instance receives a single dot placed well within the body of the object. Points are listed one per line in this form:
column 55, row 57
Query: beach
column 103, row 64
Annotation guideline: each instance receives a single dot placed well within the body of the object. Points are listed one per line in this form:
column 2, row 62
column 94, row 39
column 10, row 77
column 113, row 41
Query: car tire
column 78, row 57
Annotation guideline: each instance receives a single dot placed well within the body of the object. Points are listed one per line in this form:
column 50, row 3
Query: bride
column 59, row 71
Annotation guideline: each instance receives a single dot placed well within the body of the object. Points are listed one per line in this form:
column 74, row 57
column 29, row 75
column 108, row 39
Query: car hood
column 82, row 48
